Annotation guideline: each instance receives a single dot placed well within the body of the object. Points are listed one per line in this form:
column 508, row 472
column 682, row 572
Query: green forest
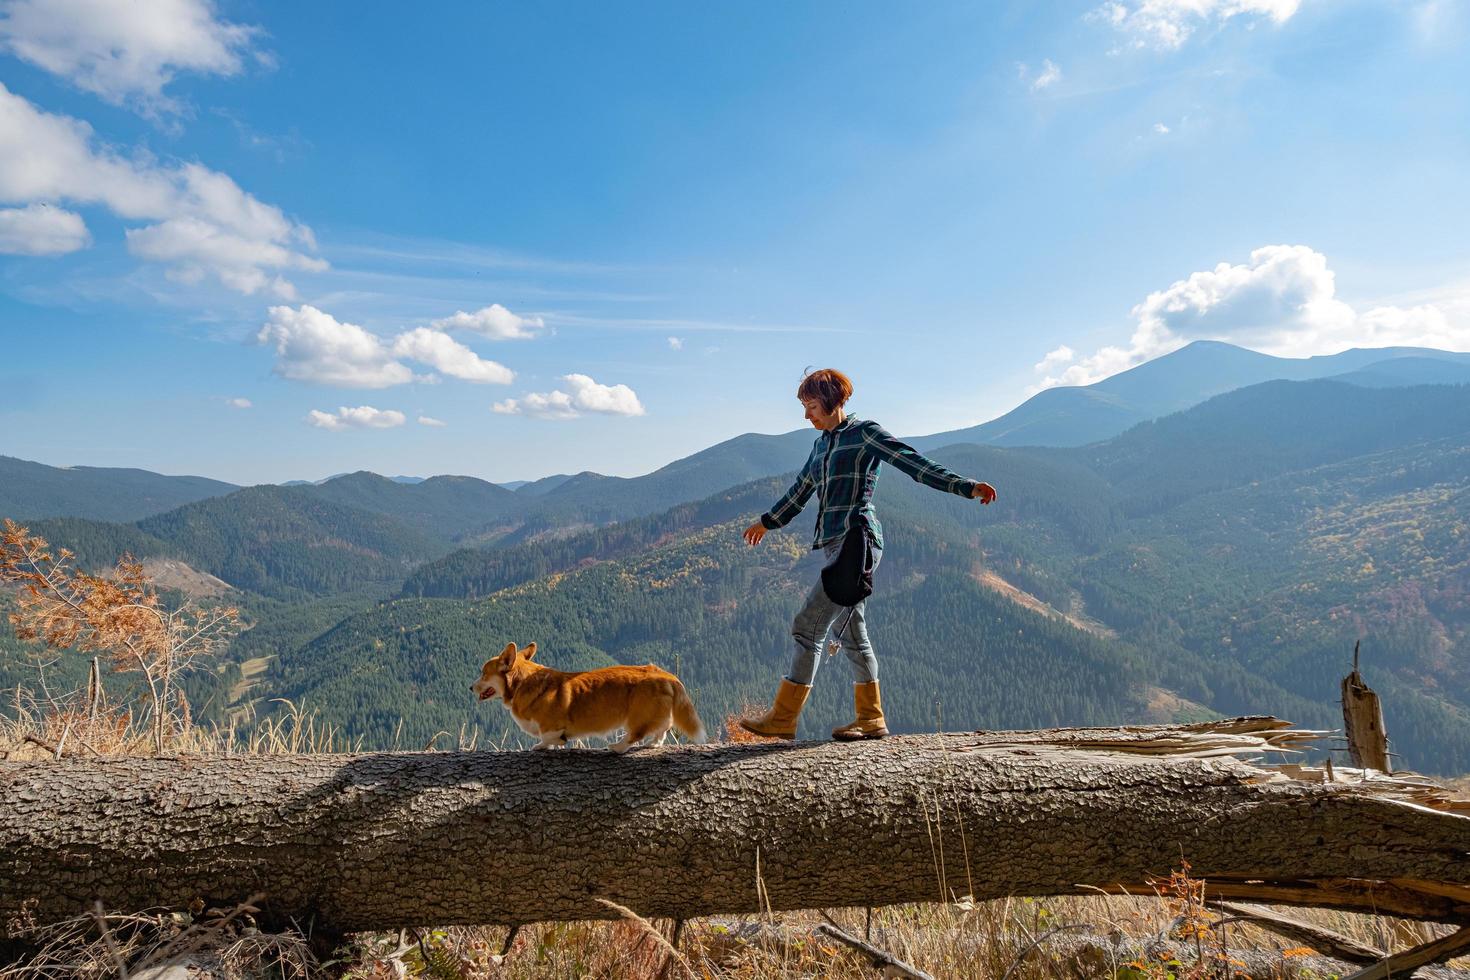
column 1211, row 562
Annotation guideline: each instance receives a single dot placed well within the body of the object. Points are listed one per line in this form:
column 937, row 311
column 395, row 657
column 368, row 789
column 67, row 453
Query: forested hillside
column 285, row 542
column 719, row 612
column 1272, row 528
column 443, row 507
column 1235, row 558
column 472, row 572
column 29, row 491
column 1285, row 575
column 1223, row 559
column 98, row 544
column 1260, row 432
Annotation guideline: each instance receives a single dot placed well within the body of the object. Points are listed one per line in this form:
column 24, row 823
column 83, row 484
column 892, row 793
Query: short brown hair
column 830, row 387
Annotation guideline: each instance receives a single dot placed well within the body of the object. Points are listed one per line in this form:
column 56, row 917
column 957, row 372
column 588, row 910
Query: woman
column 842, row 471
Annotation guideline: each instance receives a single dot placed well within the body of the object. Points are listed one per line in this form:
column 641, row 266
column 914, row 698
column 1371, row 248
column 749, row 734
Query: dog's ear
column 509, row 655
column 529, row 651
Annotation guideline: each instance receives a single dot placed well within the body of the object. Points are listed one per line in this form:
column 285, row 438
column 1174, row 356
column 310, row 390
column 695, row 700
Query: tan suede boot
column 780, row 721
column 870, row 723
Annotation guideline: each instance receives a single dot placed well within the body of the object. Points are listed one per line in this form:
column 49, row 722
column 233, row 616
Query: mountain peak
column 1180, row 379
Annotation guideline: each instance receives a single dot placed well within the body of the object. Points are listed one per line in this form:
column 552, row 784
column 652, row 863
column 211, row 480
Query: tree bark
column 381, row 841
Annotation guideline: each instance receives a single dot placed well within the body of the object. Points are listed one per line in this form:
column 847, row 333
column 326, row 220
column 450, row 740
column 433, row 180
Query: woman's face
column 819, row 416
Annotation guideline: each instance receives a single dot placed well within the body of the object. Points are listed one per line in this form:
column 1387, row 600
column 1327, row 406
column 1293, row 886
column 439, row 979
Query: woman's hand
column 754, row 533
column 983, row 491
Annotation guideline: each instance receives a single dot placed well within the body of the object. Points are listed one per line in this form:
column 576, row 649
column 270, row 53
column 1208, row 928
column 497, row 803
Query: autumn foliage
column 120, row 616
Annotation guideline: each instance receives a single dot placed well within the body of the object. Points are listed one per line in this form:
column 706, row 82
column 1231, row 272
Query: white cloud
column 191, row 247
column 204, row 223
column 1417, row 326
column 1056, row 358
column 432, row 422
column 589, row 396
column 124, row 53
column 494, row 321
column 1282, row 302
column 316, row 347
column 1161, row 129
column 1168, row 24
column 676, row 343
column 586, row 395
column 446, row 354
column 1050, row 75
column 362, row 417
column 1284, row 297
column 39, row 229
column 240, row 403
column 551, row 405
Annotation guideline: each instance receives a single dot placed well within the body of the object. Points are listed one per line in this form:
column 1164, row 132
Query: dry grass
column 1025, row 939
column 221, row 943
column 83, row 724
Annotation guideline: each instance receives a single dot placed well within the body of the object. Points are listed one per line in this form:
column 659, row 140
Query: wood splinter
column 1405, row 963
column 891, row 965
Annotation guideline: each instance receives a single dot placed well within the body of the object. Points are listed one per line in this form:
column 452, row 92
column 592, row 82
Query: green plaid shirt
column 843, row 471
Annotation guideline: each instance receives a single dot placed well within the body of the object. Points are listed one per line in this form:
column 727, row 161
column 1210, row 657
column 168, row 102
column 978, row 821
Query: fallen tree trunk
column 384, row 840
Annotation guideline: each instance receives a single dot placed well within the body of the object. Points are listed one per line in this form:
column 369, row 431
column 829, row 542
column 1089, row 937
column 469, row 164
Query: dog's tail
column 686, row 719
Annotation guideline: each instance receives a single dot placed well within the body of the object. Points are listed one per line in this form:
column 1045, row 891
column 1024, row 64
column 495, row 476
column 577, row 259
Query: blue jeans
column 810, row 627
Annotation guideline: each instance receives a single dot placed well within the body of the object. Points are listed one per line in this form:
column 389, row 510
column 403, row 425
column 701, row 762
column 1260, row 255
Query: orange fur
column 556, row 706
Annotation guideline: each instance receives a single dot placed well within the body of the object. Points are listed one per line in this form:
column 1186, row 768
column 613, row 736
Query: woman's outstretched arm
column 907, row 459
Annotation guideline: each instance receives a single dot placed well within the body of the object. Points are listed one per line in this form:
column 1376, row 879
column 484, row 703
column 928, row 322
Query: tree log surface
column 378, row 841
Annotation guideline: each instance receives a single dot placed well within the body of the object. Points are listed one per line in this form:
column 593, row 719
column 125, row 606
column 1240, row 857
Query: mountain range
column 1055, row 417
column 1075, row 416
column 1218, row 559
column 1088, row 594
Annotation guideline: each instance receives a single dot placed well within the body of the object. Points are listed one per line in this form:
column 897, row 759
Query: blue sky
column 603, row 236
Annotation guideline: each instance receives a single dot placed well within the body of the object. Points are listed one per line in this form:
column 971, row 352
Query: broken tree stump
column 379, row 841
column 1362, row 719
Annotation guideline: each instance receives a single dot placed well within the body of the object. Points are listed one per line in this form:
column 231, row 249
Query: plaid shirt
column 843, row 471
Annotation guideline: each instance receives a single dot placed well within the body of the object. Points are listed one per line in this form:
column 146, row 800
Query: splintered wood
column 1362, row 718
column 1247, row 735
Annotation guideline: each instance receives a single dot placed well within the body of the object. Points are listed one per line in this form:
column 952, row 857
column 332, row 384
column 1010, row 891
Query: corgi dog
column 554, row 705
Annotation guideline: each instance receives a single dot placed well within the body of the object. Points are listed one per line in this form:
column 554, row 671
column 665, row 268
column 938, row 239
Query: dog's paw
column 541, row 747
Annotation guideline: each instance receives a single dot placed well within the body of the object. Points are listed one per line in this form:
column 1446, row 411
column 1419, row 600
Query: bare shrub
column 122, row 617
